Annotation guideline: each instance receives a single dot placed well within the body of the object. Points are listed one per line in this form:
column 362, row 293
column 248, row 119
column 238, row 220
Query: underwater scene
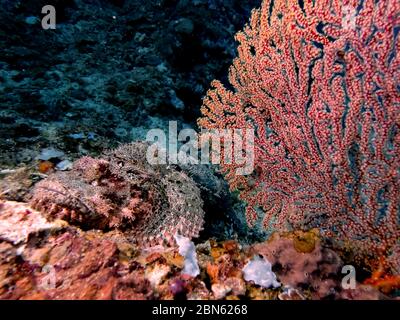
column 200, row 150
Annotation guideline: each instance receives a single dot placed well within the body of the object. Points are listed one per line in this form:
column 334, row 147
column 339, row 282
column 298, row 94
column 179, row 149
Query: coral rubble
column 64, row 262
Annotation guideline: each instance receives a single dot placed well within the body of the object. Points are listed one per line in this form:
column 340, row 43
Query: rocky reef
column 108, row 72
column 42, row 260
column 116, row 227
column 85, row 215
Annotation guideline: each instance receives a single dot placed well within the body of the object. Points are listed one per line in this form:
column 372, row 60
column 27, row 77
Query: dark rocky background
column 110, row 71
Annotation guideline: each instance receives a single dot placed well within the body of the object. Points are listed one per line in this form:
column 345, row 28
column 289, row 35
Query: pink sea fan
column 319, row 82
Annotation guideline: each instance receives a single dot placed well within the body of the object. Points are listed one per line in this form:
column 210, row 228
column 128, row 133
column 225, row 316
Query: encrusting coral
column 121, row 190
column 316, row 269
column 40, row 260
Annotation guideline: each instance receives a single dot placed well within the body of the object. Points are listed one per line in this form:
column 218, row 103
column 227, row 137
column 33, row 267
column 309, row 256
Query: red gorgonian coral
column 319, row 81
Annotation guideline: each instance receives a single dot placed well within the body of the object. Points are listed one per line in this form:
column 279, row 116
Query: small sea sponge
column 45, row 166
column 305, row 241
column 259, row 270
column 121, row 190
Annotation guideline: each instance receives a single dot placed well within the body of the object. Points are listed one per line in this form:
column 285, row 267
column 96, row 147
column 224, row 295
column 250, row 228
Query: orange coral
column 382, row 280
column 213, row 272
column 45, row 166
